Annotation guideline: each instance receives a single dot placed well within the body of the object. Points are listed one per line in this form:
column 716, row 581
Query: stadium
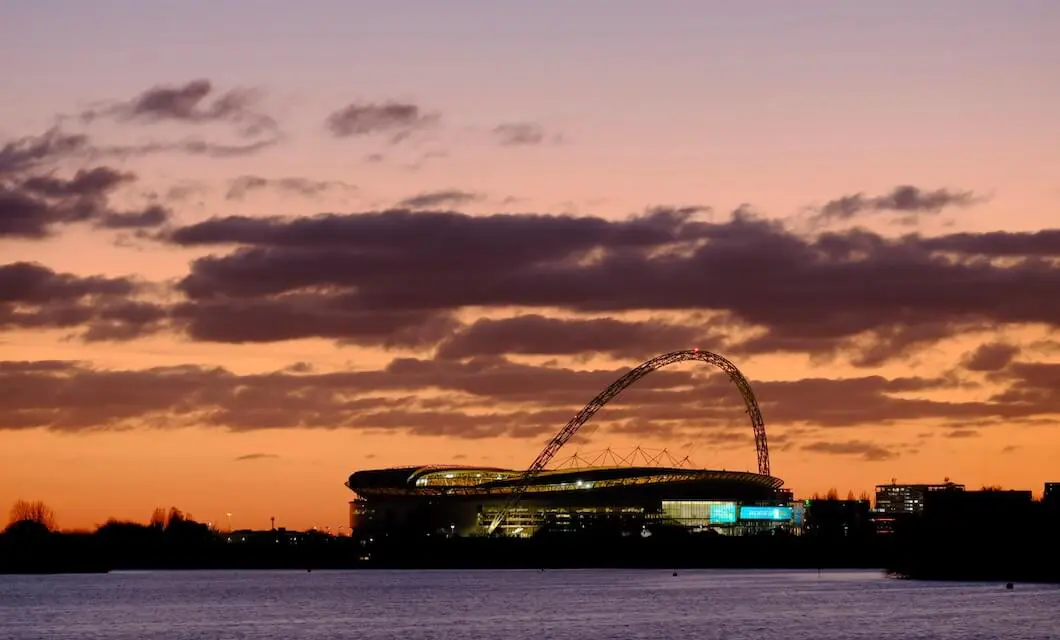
column 637, row 494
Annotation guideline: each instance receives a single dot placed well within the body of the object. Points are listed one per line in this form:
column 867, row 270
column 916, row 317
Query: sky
column 246, row 250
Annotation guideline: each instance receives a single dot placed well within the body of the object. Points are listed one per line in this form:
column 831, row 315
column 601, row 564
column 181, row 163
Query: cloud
column 1032, row 383
column 460, row 241
column 239, row 187
column 125, row 320
column 32, row 206
column 848, row 402
column 486, row 397
column 194, row 103
column 535, row 334
column 184, row 191
column 399, row 278
column 398, row 119
column 866, row 450
column 30, row 152
column 515, row 134
column 990, row 357
column 24, row 216
column 869, row 347
column 909, row 201
column 36, row 197
column 35, row 297
column 44, row 152
column 190, row 103
column 963, row 433
column 73, row 397
column 191, row 146
column 85, row 183
column 443, row 198
column 149, row 217
column 856, row 292
column 997, row 244
column 292, row 317
column 30, row 283
column 255, row 456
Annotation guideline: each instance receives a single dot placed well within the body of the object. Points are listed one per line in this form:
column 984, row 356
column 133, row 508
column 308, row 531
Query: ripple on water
column 518, row 605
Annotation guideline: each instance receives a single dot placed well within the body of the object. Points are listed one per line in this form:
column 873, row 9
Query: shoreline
column 1015, row 579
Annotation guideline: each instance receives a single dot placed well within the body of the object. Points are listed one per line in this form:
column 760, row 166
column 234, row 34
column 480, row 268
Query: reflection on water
column 517, row 605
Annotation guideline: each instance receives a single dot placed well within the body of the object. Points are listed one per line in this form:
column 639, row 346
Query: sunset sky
column 249, row 248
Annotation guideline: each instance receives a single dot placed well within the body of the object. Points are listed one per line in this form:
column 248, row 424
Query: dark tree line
column 171, row 539
column 957, row 539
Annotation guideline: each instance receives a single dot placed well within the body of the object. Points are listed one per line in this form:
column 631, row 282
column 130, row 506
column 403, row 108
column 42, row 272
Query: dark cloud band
column 524, row 400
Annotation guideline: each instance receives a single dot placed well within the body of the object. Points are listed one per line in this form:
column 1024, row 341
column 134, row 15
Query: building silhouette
column 908, row 499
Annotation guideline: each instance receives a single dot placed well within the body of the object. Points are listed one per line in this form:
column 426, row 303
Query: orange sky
column 858, row 209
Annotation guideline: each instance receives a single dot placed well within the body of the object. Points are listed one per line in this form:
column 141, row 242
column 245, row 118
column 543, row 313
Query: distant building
column 898, row 502
column 278, row 535
column 989, row 509
column 464, row 500
column 1051, row 497
column 907, row 499
column 831, row 518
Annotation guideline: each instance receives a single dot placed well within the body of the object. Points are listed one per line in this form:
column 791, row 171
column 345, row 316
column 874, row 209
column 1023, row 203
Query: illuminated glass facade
column 712, row 513
column 699, row 512
column 720, row 516
column 772, row 514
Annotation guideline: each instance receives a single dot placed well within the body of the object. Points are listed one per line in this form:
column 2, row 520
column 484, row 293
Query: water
column 518, row 605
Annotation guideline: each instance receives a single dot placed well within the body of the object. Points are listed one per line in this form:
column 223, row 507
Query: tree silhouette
column 36, row 512
column 166, row 520
column 176, row 518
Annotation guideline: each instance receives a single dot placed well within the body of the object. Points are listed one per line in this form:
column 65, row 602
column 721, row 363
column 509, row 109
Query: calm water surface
column 518, row 605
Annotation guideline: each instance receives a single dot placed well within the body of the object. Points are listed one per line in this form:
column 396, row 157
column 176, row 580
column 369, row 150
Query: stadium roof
column 471, row 480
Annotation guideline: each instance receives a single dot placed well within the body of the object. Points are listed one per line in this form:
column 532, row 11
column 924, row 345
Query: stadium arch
column 620, row 385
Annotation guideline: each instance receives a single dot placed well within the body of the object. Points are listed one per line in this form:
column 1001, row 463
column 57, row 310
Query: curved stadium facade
column 463, row 500
column 458, row 500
